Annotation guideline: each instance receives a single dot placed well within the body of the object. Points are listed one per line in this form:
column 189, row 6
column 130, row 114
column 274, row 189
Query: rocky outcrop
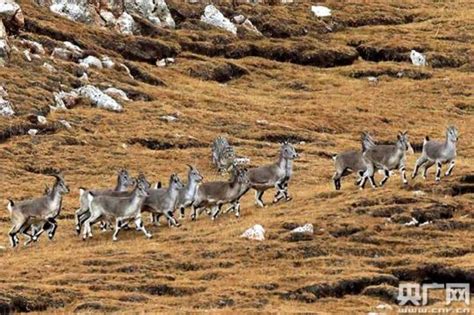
column 215, row 18
column 99, row 98
column 116, row 14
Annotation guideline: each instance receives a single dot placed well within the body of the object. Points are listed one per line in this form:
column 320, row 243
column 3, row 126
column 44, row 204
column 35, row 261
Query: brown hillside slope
column 311, row 86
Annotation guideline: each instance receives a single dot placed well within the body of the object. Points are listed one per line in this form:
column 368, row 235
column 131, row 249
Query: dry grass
column 204, row 265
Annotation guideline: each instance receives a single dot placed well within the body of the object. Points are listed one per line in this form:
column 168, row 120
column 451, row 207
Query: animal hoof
column 289, row 198
column 114, row 239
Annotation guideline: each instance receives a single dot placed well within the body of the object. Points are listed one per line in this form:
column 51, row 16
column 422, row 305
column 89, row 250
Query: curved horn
column 190, row 166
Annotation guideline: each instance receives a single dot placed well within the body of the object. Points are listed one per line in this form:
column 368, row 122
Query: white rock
column 75, row 10
column 26, row 53
column 4, row 48
column 239, row 19
column 49, row 67
column 156, row 11
column 34, row 47
column 164, row 62
column 373, row 80
column 116, row 94
column 418, row 193
column 412, row 222
column 65, row 123
column 6, row 109
column 163, row 13
column 256, row 232
column 320, row 11
column 32, row 132
column 99, row 98
column 84, row 77
column 262, row 122
column 42, row 120
column 126, row 23
column 107, row 62
column 62, row 53
column 169, row 118
column 417, row 58
column 91, row 62
column 214, row 17
column 3, row 31
column 307, row 228
column 249, row 26
column 73, row 48
column 108, row 17
column 8, row 8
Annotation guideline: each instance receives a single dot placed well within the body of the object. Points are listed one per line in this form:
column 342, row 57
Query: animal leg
column 337, row 180
column 13, row 233
column 215, row 211
column 438, row 171
column 386, row 174
column 450, row 168
column 181, row 212
column 82, row 218
column 422, row 160
column 258, row 198
column 118, row 224
column 141, row 227
column 171, row 220
column 87, row 231
column 403, row 174
column 426, row 167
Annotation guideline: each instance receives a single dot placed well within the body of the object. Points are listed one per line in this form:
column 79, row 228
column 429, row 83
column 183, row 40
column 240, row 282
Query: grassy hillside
column 308, row 79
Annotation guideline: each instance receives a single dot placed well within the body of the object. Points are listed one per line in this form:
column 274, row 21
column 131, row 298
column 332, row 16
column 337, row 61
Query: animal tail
column 82, row 190
column 10, row 206
column 427, row 138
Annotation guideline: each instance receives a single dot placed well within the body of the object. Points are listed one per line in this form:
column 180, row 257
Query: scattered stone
column 26, row 53
column 307, row 228
column 256, row 232
column 84, row 77
column 77, row 10
column 373, row 80
column 320, row 11
column 116, row 94
column 63, row 100
column 65, row 123
column 6, row 109
column 413, row 222
column 62, row 53
column 214, row 17
column 168, row 118
column 165, row 62
column 125, row 23
column 248, row 25
column 73, row 48
column 417, row 58
column 107, row 62
column 425, row 223
column 98, row 98
column 419, row 193
column 91, row 62
column 384, row 307
column 262, row 122
column 42, row 120
column 32, row 132
column 108, row 17
column 34, row 47
column 239, row 19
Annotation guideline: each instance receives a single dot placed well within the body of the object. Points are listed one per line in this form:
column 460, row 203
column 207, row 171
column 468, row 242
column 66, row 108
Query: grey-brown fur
column 386, row 158
column 163, row 201
column 216, row 194
column 120, row 209
column 276, row 175
column 439, row 153
column 188, row 193
column 351, row 161
column 37, row 212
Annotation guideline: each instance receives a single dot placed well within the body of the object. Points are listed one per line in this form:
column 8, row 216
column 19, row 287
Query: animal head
column 175, row 182
column 142, row 189
column 142, row 180
column 240, row 175
column 194, row 174
column 125, row 179
column 404, row 142
column 60, row 185
column 288, row 151
column 452, row 134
